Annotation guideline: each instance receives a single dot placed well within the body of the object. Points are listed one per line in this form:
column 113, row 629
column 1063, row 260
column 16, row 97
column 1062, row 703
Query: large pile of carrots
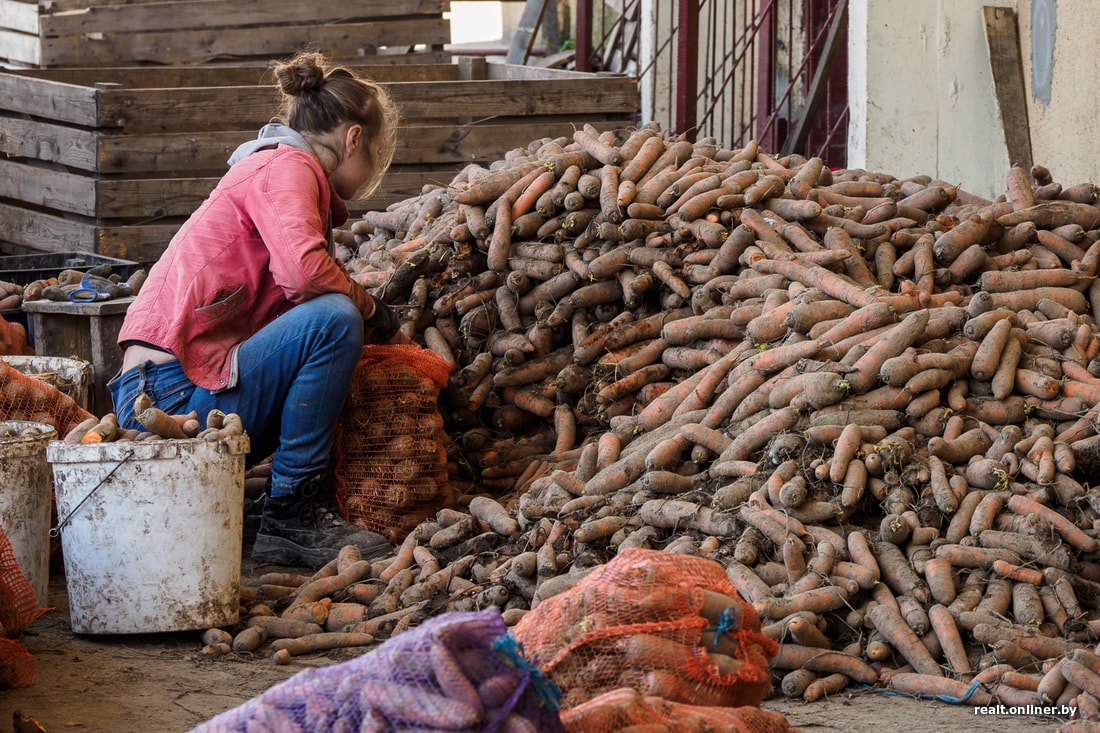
column 873, row 400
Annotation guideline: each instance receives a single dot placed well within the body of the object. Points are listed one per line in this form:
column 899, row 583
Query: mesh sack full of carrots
column 13, row 337
column 667, row 625
column 460, row 671
column 27, row 398
column 18, row 609
column 389, row 454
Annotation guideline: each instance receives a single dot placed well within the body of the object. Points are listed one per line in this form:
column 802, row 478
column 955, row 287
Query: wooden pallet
column 112, row 160
column 60, row 33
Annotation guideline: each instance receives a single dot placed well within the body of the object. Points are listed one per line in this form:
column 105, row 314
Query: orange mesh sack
column 13, row 339
column 18, row 609
column 664, row 624
column 24, row 397
column 390, row 456
column 622, row 709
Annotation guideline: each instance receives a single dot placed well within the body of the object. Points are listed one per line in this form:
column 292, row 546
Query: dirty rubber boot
column 295, row 531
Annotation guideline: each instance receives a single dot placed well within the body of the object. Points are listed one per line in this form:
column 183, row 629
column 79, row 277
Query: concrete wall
column 1065, row 125
column 922, row 98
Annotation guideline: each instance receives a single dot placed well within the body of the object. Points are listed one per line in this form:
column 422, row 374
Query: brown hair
column 318, row 98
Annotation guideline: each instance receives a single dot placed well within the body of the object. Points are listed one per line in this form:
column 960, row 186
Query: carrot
column 105, row 430
column 865, row 370
column 491, row 185
column 939, row 687
column 796, row 656
column 1052, row 214
column 160, row 423
column 406, row 707
column 525, row 202
column 757, row 435
column 1044, row 647
column 889, row 622
column 951, row 641
column 1081, row 676
column 818, row 600
column 639, row 164
column 1018, row 185
column 590, row 142
column 844, row 451
column 861, row 553
column 898, row 572
column 825, row 686
column 278, row 627
column 78, row 431
column 1066, row 529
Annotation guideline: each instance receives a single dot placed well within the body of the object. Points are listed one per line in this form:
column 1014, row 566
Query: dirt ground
column 161, row 683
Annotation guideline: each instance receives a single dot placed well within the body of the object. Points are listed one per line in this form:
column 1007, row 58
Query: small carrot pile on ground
column 872, row 399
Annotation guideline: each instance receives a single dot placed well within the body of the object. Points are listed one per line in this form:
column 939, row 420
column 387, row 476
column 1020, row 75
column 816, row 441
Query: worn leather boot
column 295, row 530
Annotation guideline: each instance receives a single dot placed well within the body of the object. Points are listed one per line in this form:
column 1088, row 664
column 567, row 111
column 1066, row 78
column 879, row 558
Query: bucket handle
column 56, row 531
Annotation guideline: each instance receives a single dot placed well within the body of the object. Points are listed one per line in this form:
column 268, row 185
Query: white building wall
column 922, row 98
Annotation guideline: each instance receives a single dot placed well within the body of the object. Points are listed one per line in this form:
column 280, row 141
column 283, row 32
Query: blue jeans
column 293, row 377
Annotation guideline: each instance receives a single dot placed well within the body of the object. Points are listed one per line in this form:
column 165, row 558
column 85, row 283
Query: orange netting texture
column 25, row 397
column 390, row 455
column 18, row 609
column 666, row 625
column 13, row 339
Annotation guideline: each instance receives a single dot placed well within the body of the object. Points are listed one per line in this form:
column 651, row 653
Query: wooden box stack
column 112, row 160
column 63, row 33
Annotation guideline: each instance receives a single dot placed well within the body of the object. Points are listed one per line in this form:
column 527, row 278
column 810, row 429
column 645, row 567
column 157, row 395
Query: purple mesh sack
column 459, row 671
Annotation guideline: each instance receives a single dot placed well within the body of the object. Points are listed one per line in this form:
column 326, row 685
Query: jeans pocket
column 165, row 384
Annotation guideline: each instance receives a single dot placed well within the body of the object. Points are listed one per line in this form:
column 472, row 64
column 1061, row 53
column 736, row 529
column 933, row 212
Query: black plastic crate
column 23, row 269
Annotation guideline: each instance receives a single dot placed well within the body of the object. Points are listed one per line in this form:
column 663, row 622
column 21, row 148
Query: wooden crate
column 113, row 160
column 60, row 33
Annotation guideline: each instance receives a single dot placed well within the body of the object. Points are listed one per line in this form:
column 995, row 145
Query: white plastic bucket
column 150, row 533
column 26, row 488
column 71, row 376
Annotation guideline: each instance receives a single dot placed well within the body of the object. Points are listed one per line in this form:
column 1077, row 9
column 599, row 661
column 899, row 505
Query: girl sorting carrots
column 247, row 311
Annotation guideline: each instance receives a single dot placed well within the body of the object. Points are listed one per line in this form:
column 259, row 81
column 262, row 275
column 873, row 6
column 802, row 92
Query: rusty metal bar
column 583, row 36
column 687, row 68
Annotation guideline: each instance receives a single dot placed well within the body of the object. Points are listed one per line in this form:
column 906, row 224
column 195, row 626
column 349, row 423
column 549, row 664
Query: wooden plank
column 211, row 108
column 151, row 197
column 59, row 6
column 180, row 15
column 19, row 16
column 485, row 100
column 515, row 72
column 48, row 142
column 179, row 47
column 1002, row 40
column 95, row 197
column 20, row 48
column 46, row 98
column 191, row 154
column 183, row 77
column 52, row 189
column 457, row 145
column 523, row 38
column 45, row 232
column 143, row 243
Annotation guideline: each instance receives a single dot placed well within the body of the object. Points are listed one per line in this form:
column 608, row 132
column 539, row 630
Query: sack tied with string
column 459, row 671
column 668, row 625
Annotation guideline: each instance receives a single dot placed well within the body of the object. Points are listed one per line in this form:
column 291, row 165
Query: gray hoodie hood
column 270, row 135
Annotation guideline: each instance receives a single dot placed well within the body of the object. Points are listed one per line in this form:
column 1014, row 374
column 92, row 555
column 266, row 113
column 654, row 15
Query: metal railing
column 773, row 71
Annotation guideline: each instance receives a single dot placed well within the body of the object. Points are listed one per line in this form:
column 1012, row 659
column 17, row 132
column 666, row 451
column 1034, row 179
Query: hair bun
column 304, row 73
